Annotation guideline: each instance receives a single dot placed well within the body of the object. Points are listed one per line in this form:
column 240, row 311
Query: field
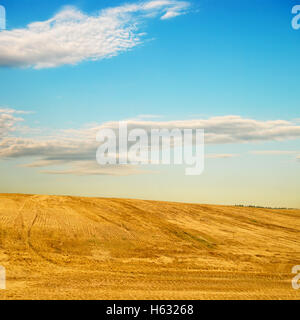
column 61, row 247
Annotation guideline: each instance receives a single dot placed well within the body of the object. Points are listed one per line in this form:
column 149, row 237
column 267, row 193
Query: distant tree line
column 261, row 207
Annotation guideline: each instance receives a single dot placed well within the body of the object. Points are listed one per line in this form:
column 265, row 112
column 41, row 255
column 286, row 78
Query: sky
column 231, row 67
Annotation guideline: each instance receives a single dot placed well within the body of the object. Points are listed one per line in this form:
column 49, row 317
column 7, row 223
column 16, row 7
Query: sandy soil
column 56, row 247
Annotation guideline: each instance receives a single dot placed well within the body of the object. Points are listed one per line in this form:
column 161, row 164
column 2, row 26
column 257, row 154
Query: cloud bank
column 72, row 36
column 76, row 148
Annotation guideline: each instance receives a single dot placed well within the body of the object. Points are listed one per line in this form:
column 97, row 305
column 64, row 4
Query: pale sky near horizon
column 67, row 67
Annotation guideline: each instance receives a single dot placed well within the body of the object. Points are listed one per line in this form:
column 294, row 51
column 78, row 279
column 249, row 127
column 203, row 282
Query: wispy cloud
column 88, row 168
column 221, row 155
column 147, row 117
column 72, row 36
column 8, row 121
column 273, row 152
column 276, row 153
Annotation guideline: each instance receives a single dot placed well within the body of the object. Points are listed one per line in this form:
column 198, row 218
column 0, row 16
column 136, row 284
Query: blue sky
column 219, row 58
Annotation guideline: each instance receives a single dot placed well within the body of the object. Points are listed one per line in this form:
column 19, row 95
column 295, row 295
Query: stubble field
column 61, row 247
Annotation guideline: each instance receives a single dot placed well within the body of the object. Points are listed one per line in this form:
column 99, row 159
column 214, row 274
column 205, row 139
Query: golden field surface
column 62, row 247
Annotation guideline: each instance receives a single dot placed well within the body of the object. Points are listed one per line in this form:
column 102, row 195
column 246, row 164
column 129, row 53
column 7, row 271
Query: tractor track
column 29, row 237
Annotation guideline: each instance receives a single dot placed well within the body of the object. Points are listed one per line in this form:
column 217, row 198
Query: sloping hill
column 60, row 247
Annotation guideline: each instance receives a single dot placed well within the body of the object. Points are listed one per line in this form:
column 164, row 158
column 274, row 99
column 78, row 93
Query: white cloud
column 72, row 36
